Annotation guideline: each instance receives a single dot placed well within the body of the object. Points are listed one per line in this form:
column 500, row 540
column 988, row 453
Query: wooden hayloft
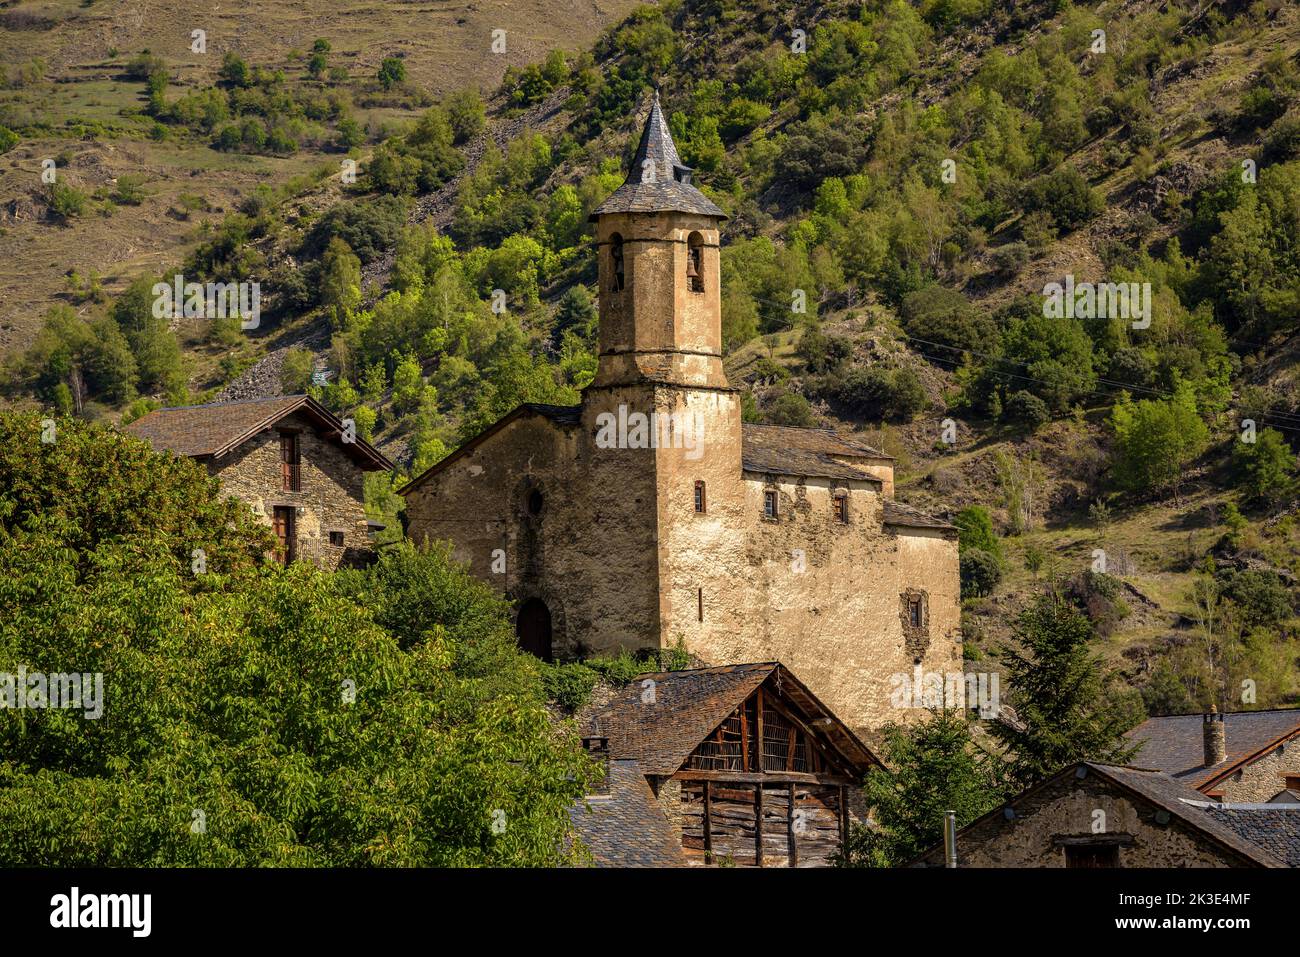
column 744, row 761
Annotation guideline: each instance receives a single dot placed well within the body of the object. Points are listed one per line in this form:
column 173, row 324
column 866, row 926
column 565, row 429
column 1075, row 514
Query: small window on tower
column 616, row 266
column 915, row 615
column 842, row 508
column 701, row 504
column 769, row 505
column 695, row 263
column 336, row 539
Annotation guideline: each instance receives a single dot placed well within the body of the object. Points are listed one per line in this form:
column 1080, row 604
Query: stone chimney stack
column 597, row 747
column 1216, row 741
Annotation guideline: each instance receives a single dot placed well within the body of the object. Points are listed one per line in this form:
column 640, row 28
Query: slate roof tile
column 1175, row 743
column 626, row 827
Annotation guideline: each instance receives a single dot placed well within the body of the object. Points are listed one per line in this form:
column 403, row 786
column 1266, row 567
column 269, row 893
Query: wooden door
column 286, row 544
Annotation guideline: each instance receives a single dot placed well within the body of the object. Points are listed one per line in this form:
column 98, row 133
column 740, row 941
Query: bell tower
column 671, row 509
column 660, row 299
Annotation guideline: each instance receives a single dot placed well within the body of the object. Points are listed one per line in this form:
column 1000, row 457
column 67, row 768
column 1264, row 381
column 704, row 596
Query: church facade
column 649, row 516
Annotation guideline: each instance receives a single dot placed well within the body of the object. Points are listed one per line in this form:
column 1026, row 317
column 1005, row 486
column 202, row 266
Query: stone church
column 650, row 516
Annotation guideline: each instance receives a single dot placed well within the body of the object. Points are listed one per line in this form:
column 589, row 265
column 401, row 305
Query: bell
column 693, row 264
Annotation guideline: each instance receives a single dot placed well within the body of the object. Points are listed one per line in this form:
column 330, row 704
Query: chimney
column 597, row 747
column 1216, row 742
column 950, row 838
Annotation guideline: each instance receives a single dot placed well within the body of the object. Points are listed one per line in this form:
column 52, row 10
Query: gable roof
column 1175, row 743
column 626, row 827
column 214, row 429
column 657, row 181
column 566, row 416
column 1154, row 787
column 688, row 706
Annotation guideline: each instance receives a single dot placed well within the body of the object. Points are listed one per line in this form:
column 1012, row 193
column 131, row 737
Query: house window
column 769, row 505
column 616, row 266
column 701, row 505
column 842, row 508
column 915, row 614
column 1092, row 855
column 695, row 263
column 336, row 539
column 290, row 466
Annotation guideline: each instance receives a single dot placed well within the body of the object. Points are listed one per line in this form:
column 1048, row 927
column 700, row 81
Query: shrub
column 1065, row 195
column 64, row 201
column 980, row 573
column 944, row 317
column 873, row 392
column 820, row 352
column 1264, row 469
column 570, row 685
column 791, row 409
column 1027, row 409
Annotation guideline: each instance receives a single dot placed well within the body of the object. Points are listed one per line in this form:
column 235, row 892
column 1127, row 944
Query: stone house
column 1095, row 815
column 738, row 765
column 1240, row 757
column 648, row 516
column 297, row 466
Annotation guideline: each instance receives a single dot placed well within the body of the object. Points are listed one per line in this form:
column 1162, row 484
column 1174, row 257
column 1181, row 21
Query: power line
column 1275, row 416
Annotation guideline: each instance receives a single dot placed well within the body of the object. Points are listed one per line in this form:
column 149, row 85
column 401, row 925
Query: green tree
column 933, row 767
column 392, row 72
column 275, row 703
column 1264, row 469
column 975, row 530
column 296, row 370
column 1066, row 706
column 340, row 281
column 1155, row 439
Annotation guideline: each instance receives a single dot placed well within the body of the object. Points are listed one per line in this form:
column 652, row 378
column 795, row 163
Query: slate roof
column 214, row 429
column 1183, row 802
column 780, row 450
column 1274, row 827
column 658, row 181
column 905, row 516
column 1156, row 788
column 626, row 828
column 1175, row 743
column 688, row 706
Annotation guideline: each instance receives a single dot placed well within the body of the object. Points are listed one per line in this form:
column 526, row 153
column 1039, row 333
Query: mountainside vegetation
column 904, row 181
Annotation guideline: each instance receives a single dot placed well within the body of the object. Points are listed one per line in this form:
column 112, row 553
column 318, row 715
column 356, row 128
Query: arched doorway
column 533, row 628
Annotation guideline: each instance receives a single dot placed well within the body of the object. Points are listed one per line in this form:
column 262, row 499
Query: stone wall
column 1066, row 809
column 622, row 559
column 332, row 491
column 1258, row 781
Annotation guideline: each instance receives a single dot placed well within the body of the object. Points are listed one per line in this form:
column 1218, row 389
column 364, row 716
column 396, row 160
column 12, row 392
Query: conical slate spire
column 656, row 157
column 658, row 181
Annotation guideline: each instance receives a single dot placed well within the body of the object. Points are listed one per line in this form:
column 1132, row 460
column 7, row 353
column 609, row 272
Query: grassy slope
column 445, row 46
